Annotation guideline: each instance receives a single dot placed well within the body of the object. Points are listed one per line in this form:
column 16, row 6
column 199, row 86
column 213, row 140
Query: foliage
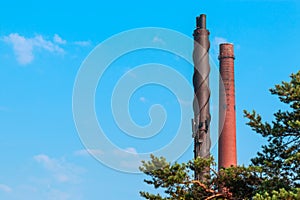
column 175, row 179
column 273, row 174
column 282, row 194
column 177, row 182
column 280, row 158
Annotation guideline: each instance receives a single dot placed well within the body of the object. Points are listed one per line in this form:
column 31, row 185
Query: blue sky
column 42, row 46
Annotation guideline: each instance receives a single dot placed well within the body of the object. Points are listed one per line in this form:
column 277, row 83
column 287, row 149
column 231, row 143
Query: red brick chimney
column 227, row 121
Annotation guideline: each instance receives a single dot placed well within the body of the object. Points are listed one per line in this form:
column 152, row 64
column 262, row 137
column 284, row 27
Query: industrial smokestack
column 227, row 131
column 201, row 119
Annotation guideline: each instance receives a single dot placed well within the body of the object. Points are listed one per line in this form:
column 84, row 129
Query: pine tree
column 280, row 157
column 273, row 174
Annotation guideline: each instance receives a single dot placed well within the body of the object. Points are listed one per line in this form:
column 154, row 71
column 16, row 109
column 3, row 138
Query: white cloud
column 123, row 153
column 131, row 150
column 57, row 39
column 83, row 43
column 143, row 99
column 39, row 41
column 55, row 194
column 59, row 169
column 48, row 163
column 157, row 39
column 23, row 47
column 133, row 164
column 5, row 188
column 126, row 159
column 130, row 161
column 130, row 72
column 215, row 45
column 88, row 152
column 37, row 190
column 219, row 40
column 62, row 178
column 185, row 102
